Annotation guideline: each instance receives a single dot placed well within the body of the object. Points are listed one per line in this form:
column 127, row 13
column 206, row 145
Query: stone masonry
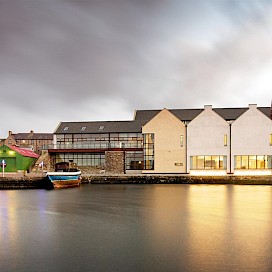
column 115, row 162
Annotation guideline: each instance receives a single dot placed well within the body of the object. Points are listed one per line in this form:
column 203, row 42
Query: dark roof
column 100, row 127
column 189, row 114
column 182, row 114
column 33, row 136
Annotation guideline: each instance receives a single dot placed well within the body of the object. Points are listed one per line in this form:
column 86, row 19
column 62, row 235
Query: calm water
column 137, row 228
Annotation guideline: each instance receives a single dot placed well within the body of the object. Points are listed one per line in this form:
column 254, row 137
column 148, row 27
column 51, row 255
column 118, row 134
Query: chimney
column 252, row 106
column 207, row 107
column 31, row 133
column 10, row 132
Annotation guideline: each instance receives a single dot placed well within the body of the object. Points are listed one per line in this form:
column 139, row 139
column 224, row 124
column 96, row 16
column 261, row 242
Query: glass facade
column 253, row 162
column 81, row 159
column 99, row 141
column 208, row 162
column 134, row 160
column 149, row 151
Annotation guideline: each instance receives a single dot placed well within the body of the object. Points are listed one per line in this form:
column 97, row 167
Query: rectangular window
column 270, row 139
column 181, row 140
column 149, row 151
column 134, row 160
column 225, row 140
column 253, row 162
column 208, row 162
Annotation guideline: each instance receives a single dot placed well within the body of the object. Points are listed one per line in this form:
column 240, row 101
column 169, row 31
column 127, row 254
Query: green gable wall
column 14, row 160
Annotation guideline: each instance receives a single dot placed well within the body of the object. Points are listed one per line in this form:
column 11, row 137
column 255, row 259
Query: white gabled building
column 251, row 143
column 208, row 143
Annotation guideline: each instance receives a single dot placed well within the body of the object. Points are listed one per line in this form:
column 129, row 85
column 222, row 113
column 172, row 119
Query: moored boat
column 65, row 175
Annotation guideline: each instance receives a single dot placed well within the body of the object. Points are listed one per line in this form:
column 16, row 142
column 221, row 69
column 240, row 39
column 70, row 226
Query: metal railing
column 95, row 145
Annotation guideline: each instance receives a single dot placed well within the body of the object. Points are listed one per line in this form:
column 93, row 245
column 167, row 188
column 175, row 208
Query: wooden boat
column 65, row 175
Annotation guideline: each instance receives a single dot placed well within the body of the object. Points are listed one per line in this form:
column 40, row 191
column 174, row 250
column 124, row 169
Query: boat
column 65, row 175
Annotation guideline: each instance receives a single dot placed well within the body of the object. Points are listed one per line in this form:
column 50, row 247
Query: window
column 181, row 140
column 208, row 162
column 134, row 160
column 81, row 159
column 270, row 139
column 225, row 140
column 149, row 151
column 83, row 128
column 66, row 128
column 101, row 127
column 253, row 162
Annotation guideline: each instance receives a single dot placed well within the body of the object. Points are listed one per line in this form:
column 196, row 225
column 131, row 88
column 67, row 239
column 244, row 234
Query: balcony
column 105, row 146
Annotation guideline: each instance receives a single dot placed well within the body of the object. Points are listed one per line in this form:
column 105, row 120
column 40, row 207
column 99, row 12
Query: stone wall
column 89, row 170
column 115, row 162
column 25, row 183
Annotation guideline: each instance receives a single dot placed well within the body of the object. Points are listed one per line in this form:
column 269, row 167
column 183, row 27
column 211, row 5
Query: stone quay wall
column 9, row 183
column 162, row 179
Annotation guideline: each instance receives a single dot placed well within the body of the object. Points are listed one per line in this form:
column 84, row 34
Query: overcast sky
column 87, row 60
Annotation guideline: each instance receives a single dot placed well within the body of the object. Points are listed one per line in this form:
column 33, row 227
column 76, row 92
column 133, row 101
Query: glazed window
column 149, row 151
column 181, row 140
column 208, row 162
column 225, row 140
column 253, row 162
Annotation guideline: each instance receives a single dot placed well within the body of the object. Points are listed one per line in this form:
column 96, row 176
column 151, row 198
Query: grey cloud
column 103, row 59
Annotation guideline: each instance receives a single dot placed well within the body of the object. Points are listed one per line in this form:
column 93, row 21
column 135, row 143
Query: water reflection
column 137, row 228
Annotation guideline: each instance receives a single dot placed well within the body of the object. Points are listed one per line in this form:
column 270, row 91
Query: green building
column 16, row 159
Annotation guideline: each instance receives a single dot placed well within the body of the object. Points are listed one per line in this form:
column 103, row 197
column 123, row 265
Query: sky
column 93, row 60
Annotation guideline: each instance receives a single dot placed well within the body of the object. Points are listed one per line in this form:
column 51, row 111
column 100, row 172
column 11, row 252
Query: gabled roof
column 182, row 114
column 189, row 114
column 23, row 151
column 33, row 136
column 101, row 127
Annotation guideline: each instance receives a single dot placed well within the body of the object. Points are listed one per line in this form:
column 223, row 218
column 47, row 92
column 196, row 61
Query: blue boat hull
column 64, row 179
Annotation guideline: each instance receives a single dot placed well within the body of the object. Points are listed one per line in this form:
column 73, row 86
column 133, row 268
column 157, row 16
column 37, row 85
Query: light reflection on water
column 137, row 228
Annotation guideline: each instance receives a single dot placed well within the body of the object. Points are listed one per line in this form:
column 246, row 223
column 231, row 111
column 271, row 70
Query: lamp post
column 3, row 167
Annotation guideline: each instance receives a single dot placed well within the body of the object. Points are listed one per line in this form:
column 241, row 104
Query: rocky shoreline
column 28, row 182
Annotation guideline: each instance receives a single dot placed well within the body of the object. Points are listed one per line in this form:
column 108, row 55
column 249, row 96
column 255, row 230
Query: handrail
column 95, row 146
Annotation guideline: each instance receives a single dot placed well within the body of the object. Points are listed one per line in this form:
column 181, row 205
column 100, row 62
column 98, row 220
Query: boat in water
column 65, row 175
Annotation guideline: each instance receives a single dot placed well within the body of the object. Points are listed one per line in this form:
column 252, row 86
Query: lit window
column 270, row 139
column 225, row 140
column 66, row 128
column 181, row 140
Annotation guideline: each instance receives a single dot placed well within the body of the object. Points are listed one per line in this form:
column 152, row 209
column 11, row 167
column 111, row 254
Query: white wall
column 250, row 134
column 206, row 137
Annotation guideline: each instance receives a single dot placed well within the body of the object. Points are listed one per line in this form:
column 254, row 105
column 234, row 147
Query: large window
column 208, row 162
column 253, row 162
column 81, row 159
column 99, row 140
column 134, row 160
column 149, row 151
